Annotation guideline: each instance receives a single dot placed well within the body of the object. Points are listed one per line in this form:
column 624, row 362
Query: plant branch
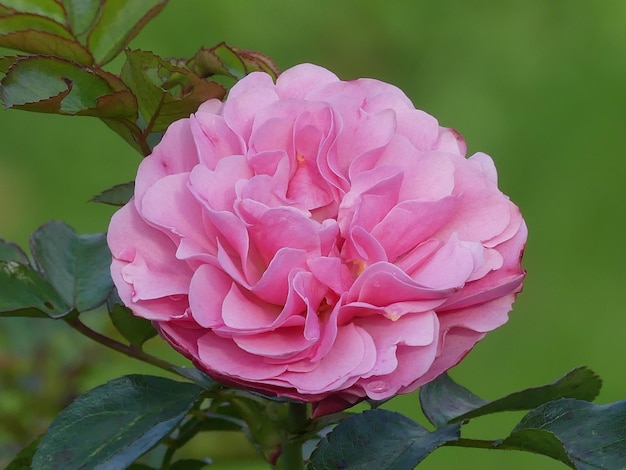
column 128, row 350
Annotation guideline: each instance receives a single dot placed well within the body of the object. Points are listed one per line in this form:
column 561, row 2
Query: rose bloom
column 318, row 239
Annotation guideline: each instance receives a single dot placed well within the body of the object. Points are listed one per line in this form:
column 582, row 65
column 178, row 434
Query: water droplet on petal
column 377, row 386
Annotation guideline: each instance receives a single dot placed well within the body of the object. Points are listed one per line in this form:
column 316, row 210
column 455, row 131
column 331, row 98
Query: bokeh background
column 540, row 86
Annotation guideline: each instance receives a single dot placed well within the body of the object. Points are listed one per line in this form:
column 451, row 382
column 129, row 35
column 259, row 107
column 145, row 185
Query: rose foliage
column 318, row 239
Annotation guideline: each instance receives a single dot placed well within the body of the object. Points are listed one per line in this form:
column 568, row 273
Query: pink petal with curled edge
column 480, row 318
column 420, row 128
column 383, row 283
column 279, row 344
column 414, row 362
column 410, row 223
column 365, row 133
column 175, row 153
column 409, row 330
column 451, row 141
column 273, row 286
column 184, row 340
column 271, row 229
column 296, row 82
column 364, row 247
column 151, row 265
column 272, row 134
column 331, row 272
column 170, row 205
column 484, row 290
column 486, row 165
column 207, row 291
column 242, row 311
column 214, row 139
column 352, row 354
column 216, row 189
column 450, row 266
column 245, row 99
column 223, row 356
column 373, row 194
column 161, row 309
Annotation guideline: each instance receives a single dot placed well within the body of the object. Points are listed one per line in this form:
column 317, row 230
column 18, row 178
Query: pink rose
column 318, row 239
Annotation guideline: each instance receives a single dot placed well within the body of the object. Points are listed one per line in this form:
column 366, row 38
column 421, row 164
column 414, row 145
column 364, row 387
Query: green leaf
column 118, row 195
column 444, row 401
column 77, row 266
column 119, row 22
column 112, row 425
column 25, row 293
column 136, row 330
column 40, row 35
column 165, row 91
column 81, row 14
column 53, row 85
column 12, row 252
column 48, row 8
column 591, row 436
column 23, row 460
column 378, row 439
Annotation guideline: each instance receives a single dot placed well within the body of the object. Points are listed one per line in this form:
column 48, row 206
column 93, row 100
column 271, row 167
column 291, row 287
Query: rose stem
column 128, row 350
column 291, row 457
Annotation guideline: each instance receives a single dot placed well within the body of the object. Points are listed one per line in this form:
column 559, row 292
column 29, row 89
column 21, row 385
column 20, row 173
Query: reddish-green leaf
column 230, row 61
column 40, row 35
column 81, row 14
column 119, row 21
column 54, row 85
column 165, row 91
column 48, row 8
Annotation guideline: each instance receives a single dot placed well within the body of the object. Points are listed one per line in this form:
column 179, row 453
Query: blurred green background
column 539, row 85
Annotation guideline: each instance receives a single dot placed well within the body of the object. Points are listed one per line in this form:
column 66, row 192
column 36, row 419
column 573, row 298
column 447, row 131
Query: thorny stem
column 128, row 350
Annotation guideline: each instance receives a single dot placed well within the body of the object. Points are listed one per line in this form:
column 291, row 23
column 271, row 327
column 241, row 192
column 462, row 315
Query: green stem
column 128, row 350
column 291, row 457
column 480, row 444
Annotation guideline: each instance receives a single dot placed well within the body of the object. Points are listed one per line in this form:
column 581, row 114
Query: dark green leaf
column 23, row 460
column 11, row 252
column 77, row 266
column 25, row 293
column 112, row 425
column 444, row 401
column 48, row 8
column 118, row 195
column 136, row 330
column 198, row 377
column 378, row 439
column 165, row 91
column 53, row 85
column 40, row 35
column 593, row 436
column 119, row 22
column 188, row 464
column 81, row 14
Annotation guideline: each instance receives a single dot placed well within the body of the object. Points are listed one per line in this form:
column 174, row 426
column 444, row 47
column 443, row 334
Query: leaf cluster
column 63, row 46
